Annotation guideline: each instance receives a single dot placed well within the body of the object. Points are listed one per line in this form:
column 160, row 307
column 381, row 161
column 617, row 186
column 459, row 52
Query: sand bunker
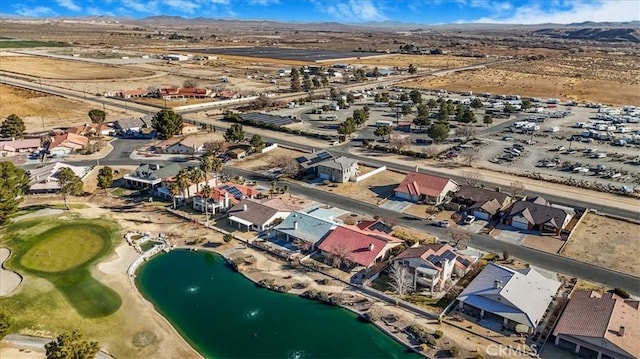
column 9, row 280
column 125, row 256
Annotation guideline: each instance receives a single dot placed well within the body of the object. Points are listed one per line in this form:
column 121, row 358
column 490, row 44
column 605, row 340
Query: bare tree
column 215, row 147
column 458, row 235
column 190, row 83
column 400, row 279
column 471, row 178
column 469, row 156
column 431, row 151
column 399, row 141
column 340, row 255
column 516, row 188
column 288, row 165
column 468, row 132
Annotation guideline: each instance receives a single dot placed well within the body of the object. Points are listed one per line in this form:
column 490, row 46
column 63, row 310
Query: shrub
column 438, row 334
column 421, row 335
column 478, row 356
column 227, row 237
column 454, row 352
column 505, row 255
column 621, row 293
column 424, row 348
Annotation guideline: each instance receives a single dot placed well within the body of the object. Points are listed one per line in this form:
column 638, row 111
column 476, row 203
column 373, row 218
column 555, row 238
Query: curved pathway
column 9, row 280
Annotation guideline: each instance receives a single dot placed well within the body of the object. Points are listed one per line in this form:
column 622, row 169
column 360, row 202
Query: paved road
column 537, row 258
column 37, row 344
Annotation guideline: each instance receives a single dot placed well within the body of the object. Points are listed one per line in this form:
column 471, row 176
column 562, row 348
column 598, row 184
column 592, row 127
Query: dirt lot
column 607, row 242
column 432, row 62
column 371, row 190
column 264, row 161
column 34, row 107
column 543, row 243
column 66, row 69
column 536, row 85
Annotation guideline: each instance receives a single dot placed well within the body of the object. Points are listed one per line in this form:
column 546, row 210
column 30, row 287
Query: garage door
column 481, row 215
column 520, row 225
column 324, row 176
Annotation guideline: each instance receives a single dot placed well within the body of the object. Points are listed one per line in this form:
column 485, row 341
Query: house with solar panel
column 324, row 165
column 223, row 196
column 433, row 265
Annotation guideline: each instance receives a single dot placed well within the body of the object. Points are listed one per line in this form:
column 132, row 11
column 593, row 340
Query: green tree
column 423, row 110
column 431, row 103
column 509, row 108
column 416, row 96
column 526, row 104
column 205, row 194
column 14, row 184
column 347, row 127
column 174, row 190
column 477, row 103
column 376, row 72
column 70, row 184
column 6, row 322
column 316, row 83
column 360, row 117
column 468, row 116
column 459, row 112
column 307, row 85
column 382, row 131
column 97, row 115
column 384, row 97
column 421, row 121
column 12, row 126
column 333, row 93
column 487, row 120
column 256, row 142
column 235, row 133
column 438, row 132
column 227, row 237
column 295, row 80
column 443, row 112
column 350, row 98
column 167, row 123
column 182, row 180
column 324, row 80
column 406, row 109
column 196, row 176
column 105, row 178
column 342, row 103
column 377, row 97
column 70, row 345
column 412, row 69
column 404, row 97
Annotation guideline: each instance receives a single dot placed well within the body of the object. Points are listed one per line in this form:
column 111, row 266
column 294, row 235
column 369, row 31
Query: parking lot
column 284, row 53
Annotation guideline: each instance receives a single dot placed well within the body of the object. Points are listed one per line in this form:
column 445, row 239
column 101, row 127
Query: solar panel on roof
column 379, row 226
column 324, row 155
column 432, row 257
column 449, row 255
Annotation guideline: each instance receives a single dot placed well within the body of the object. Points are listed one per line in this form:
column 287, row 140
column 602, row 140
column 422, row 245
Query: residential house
column 252, row 215
column 340, row 169
column 480, row 202
column 66, row 143
column 354, row 247
column 431, row 266
column 228, row 95
column 595, row 325
column 184, row 92
column 19, row 146
column 45, row 179
column 310, row 161
column 131, row 126
column 303, row 229
column 375, row 226
column 131, row 93
column 516, row 298
column 238, row 151
column 223, row 196
column 537, row 214
column 150, row 175
column 421, row 187
column 90, row 129
column 188, row 129
column 191, row 189
column 189, row 145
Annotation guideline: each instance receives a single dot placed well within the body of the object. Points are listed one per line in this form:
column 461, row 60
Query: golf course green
column 64, row 252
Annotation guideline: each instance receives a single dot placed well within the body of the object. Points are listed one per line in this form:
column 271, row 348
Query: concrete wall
column 215, row 104
column 269, row 148
column 370, row 174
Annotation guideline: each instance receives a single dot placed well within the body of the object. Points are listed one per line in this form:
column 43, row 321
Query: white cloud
column 187, row 6
column 94, row 11
column 143, row 6
column 571, row 12
column 38, row 11
column 69, row 5
column 352, row 10
column 264, row 2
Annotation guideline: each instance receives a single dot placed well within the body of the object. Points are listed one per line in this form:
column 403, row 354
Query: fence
column 269, row 148
column 215, row 104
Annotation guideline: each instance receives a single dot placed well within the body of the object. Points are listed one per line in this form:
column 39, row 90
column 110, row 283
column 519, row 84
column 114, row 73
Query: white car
column 469, row 219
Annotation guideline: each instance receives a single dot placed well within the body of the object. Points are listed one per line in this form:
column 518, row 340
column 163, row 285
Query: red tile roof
column 416, row 183
column 355, row 243
column 591, row 315
column 69, row 140
column 218, row 193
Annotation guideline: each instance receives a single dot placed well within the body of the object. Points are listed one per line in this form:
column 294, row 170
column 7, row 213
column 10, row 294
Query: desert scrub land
column 47, row 68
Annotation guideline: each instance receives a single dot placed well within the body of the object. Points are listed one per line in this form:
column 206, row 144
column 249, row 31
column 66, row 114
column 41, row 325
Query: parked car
column 469, row 219
column 443, row 224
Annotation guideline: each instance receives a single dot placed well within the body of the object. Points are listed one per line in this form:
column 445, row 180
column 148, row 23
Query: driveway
column 396, row 205
column 508, row 234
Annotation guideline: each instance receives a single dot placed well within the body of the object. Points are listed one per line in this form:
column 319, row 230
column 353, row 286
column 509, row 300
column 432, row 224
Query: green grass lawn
column 8, row 44
column 63, row 252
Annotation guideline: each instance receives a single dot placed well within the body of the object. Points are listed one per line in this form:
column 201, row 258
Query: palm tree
column 196, row 176
column 206, row 164
column 174, row 189
column 182, row 180
column 217, row 165
column 205, row 192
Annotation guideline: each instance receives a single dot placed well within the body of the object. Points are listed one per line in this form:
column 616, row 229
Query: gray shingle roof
column 522, row 296
column 155, row 170
column 476, row 194
column 310, row 229
column 538, row 214
column 256, row 213
column 340, row 163
column 128, row 123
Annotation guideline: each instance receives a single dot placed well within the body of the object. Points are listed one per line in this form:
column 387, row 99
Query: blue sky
column 346, row 11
